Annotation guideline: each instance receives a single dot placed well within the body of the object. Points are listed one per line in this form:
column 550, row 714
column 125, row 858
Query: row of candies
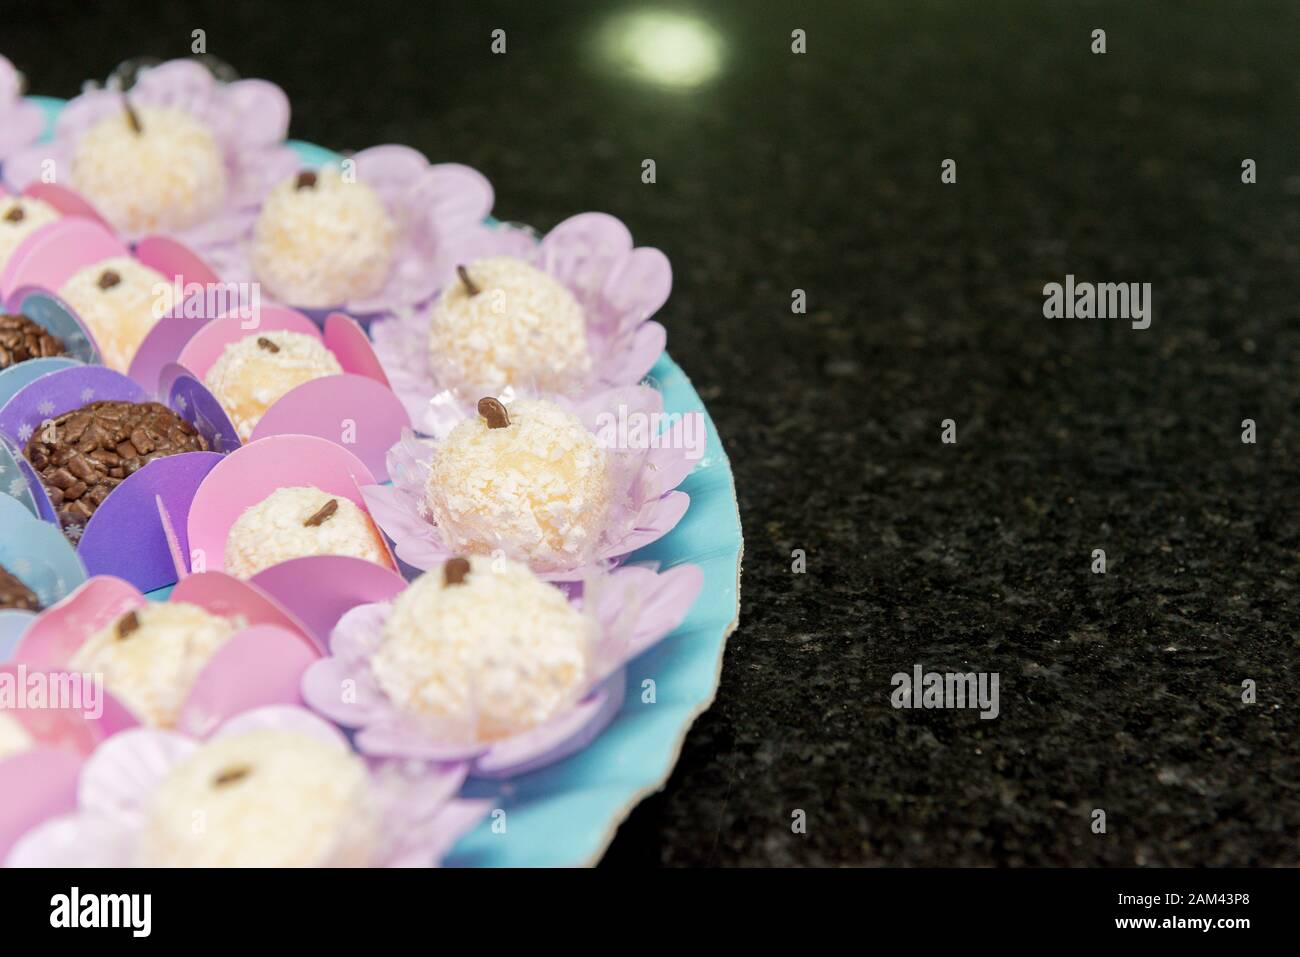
column 160, row 425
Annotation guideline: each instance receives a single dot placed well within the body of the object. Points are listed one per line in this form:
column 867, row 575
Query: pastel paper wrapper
column 126, row 535
column 420, row 818
column 261, row 664
column 644, row 505
column 357, row 405
column 248, row 120
column 244, row 479
column 633, row 607
column 437, row 205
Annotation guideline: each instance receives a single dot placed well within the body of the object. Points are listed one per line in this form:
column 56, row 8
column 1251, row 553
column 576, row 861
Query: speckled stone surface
column 821, row 172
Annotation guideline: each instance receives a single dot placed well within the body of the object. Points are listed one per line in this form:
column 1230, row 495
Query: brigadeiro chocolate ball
column 84, row 454
column 15, row 595
column 22, row 339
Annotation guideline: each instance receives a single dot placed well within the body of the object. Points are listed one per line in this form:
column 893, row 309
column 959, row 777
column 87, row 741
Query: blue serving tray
column 566, row 814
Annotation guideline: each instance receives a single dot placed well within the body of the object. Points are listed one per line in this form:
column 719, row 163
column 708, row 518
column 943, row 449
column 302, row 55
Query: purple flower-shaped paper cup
column 35, row 553
column 431, row 210
column 645, row 462
column 416, row 817
column 633, row 608
column 619, row 287
column 237, row 129
column 138, row 531
column 21, row 122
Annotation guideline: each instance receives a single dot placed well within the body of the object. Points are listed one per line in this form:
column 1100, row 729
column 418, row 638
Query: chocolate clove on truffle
column 455, row 571
column 15, row 215
column 14, row 595
column 82, row 455
column 108, row 279
column 128, row 625
column 231, row 775
column 324, row 515
column 306, row 180
column 267, row 344
column 22, row 339
column 493, row 412
column 470, row 287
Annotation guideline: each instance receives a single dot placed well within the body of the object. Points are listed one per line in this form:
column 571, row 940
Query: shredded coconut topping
column 250, row 376
column 122, row 314
column 494, row 655
column 520, row 328
column 537, row 489
column 152, row 665
column 264, row 798
column 168, row 176
column 324, row 244
column 275, row 530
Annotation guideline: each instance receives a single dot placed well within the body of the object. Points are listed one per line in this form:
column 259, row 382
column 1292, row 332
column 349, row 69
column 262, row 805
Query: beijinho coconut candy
column 484, row 648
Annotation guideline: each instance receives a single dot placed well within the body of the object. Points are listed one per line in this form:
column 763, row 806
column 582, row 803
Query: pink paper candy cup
column 321, row 588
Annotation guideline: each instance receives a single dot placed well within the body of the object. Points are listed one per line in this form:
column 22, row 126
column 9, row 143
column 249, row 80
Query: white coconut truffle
column 120, row 301
column 150, row 169
column 537, row 488
column 504, row 322
column 257, row 371
column 151, row 656
column 266, row 798
column 485, row 649
column 20, row 216
column 14, row 738
column 323, row 241
column 296, row 523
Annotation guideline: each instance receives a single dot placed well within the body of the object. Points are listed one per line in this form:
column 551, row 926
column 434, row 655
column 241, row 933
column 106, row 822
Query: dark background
column 821, row 172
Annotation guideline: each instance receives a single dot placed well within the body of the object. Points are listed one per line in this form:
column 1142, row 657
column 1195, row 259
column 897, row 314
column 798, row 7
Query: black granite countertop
column 821, row 171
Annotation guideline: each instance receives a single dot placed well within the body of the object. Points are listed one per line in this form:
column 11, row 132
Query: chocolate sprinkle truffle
column 84, row 454
column 14, row 595
column 22, row 339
